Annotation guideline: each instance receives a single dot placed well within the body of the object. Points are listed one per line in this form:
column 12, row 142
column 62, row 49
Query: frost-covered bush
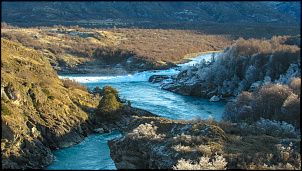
column 294, row 70
column 219, row 163
column 291, row 109
column 270, row 101
column 250, row 61
column 182, row 148
column 147, row 131
column 295, row 85
column 204, row 149
column 185, row 139
column 269, row 127
column 240, row 109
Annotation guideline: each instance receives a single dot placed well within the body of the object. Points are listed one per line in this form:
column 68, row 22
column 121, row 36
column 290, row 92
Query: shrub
column 109, row 90
column 276, row 128
column 147, row 131
column 295, row 84
column 291, row 110
column 271, row 101
column 240, row 109
column 268, row 101
column 218, row 163
column 204, row 149
column 97, row 90
column 110, row 108
column 68, row 83
column 4, row 109
column 286, row 158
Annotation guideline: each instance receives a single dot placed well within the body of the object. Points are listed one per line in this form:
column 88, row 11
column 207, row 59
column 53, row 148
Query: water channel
column 93, row 153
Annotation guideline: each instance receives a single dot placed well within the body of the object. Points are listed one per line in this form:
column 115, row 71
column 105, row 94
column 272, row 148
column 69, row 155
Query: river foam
column 137, row 77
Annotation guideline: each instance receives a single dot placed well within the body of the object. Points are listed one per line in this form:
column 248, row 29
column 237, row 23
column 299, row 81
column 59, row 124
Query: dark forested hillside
column 287, row 7
column 129, row 13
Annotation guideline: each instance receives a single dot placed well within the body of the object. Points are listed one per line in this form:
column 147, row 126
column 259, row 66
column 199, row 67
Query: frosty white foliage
column 183, row 138
column 293, row 71
column 252, row 74
column 276, row 128
column 280, row 167
column 146, row 131
column 285, row 151
column 218, row 163
column 180, row 147
column 206, row 150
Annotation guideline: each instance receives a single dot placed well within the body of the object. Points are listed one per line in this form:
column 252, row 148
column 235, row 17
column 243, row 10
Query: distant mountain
column 287, row 7
column 37, row 13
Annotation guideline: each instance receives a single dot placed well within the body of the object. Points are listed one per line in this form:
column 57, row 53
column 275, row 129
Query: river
column 93, row 153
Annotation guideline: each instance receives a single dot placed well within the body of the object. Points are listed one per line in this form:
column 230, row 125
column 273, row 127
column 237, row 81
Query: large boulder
column 157, row 78
column 214, row 99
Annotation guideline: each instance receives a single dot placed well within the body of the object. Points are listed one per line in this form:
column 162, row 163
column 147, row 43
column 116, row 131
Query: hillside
column 74, row 49
column 113, row 51
column 40, row 112
column 133, row 13
column 286, row 7
column 241, row 67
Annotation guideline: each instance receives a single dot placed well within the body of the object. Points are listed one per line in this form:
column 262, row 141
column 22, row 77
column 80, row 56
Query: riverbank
column 41, row 113
column 159, row 143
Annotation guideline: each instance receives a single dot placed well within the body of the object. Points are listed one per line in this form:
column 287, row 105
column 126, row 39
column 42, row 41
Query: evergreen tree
column 110, row 106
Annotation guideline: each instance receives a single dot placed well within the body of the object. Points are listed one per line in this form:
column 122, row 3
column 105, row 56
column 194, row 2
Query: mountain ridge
column 126, row 13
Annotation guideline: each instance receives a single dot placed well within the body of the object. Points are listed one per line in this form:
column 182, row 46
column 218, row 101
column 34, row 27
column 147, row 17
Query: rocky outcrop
column 158, row 143
column 215, row 99
column 157, row 78
column 185, row 85
column 38, row 114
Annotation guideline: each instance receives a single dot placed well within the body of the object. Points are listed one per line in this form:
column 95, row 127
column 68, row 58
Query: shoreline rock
column 158, row 78
column 215, row 98
column 181, row 84
column 151, row 143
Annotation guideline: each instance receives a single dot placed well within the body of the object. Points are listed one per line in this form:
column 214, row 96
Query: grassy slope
column 35, row 107
column 154, row 47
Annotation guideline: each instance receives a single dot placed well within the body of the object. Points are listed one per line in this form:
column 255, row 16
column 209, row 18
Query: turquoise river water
column 93, row 153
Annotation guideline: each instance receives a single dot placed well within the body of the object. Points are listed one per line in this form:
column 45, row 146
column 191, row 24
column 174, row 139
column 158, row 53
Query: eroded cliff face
column 158, row 143
column 38, row 114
